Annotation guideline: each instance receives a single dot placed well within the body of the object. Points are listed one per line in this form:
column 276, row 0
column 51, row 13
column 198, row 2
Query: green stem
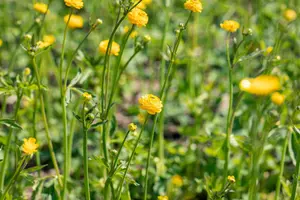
column 296, row 176
column 119, row 190
column 8, row 143
column 229, row 114
column 85, row 156
column 278, row 184
column 44, row 116
column 38, row 159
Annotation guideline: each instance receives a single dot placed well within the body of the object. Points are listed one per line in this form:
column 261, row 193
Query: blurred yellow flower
column 143, row 4
column 177, row 180
column 261, row 85
column 29, row 146
column 290, row 15
column 77, row 4
column 1, row 42
column 41, row 7
column 133, row 33
column 42, row 44
column 230, row 26
column 27, row 71
column 50, row 39
column 162, row 198
column 231, row 179
column 138, row 17
column 86, row 96
column 115, row 47
column 193, row 5
column 76, row 21
column 277, row 98
column 150, row 103
column 132, row 127
column 269, row 50
column 141, row 118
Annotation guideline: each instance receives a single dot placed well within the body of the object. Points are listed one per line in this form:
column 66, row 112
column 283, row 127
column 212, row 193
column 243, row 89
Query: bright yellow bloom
column 277, row 98
column 269, row 50
column 261, row 85
column 132, row 127
column 138, row 17
column 41, row 7
column 230, row 26
column 177, row 180
column 86, row 96
column 76, row 21
column 1, row 42
column 162, row 198
column 151, row 103
column 115, row 47
column 27, row 71
column 42, row 44
column 77, row 4
column 143, row 4
column 290, row 15
column 231, row 179
column 50, row 39
column 29, row 146
column 193, row 5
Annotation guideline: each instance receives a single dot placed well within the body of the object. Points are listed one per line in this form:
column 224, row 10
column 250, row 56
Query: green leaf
column 249, row 56
column 75, row 79
column 10, row 123
column 33, row 169
column 98, row 124
column 77, row 116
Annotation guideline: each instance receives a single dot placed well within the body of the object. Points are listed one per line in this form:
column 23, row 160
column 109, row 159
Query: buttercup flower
column 86, row 96
column 230, row 26
column 27, row 71
column 29, row 146
column 41, row 7
column 269, row 50
column 138, row 17
column 162, row 198
column 151, row 103
column 290, row 15
column 77, row 4
column 277, row 98
column 177, row 180
column 76, row 21
column 42, row 44
column 132, row 127
column 115, row 47
column 231, row 179
column 193, row 5
column 50, row 39
column 261, row 85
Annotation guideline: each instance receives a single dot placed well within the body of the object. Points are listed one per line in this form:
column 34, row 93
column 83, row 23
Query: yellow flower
column 42, row 44
column 177, row 180
column 133, row 33
column 277, row 98
column 50, row 39
column 29, row 146
column 269, row 50
column 77, row 4
column 151, row 103
column 261, row 85
column 132, row 127
column 115, row 47
column 193, row 5
column 162, row 198
column 41, row 7
column 86, row 96
column 143, row 4
column 1, row 42
column 27, row 71
column 141, row 118
column 230, row 25
column 138, row 17
column 231, row 179
column 290, row 15
column 76, row 21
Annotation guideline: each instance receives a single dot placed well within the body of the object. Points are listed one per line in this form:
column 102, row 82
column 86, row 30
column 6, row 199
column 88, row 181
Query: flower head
column 290, row 15
column 193, row 5
column 76, row 21
column 132, row 127
column 269, row 50
column 50, row 39
column 151, row 103
column 177, row 180
column 42, row 44
column 27, row 71
column 162, row 198
column 277, row 98
column 29, row 146
column 77, row 4
column 115, row 47
column 1, row 42
column 261, row 85
column 86, row 96
column 41, row 7
column 231, row 179
column 230, row 26
column 138, row 17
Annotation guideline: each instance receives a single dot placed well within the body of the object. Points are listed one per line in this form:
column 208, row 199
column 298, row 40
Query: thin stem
column 296, row 176
column 119, row 190
column 44, row 116
column 278, row 184
column 35, row 108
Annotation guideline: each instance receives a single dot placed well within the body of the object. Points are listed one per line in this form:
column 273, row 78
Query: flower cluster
column 115, row 47
column 29, row 146
column 77, row 4
column 151, row 103
column 193, row 5
column 138, row 17
column 230, row 25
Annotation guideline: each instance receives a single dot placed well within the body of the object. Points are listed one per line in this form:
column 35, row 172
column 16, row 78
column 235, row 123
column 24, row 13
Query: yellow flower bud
column 277, row 98
column 86, row 96
column 41, row 7
column 290, row 15
column 132, row 127
column 231, row 179
column 27, row 71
